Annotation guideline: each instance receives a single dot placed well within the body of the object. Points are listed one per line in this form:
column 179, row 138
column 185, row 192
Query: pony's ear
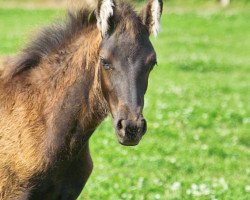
column 151, row 15
column 104, row 14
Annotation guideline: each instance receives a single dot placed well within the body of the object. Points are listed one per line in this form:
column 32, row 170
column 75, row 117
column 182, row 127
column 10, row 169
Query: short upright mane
column 50, row 39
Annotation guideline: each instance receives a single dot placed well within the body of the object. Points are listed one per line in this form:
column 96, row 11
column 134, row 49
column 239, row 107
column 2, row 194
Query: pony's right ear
column 151, row 15
column 104, row 15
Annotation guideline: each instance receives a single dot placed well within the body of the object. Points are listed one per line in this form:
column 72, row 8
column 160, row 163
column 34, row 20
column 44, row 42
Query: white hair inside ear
column 106, row 10
column 156, row 16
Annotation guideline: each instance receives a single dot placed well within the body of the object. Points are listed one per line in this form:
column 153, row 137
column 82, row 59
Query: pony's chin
column 128, row 142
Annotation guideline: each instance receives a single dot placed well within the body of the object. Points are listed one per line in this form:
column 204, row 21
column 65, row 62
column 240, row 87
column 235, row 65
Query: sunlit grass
column 197, row 106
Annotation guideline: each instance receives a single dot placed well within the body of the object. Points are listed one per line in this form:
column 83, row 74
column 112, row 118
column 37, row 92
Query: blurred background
column 197, row 105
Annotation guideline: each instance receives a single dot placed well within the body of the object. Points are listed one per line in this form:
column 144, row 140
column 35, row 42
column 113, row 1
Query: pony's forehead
column 127, row 20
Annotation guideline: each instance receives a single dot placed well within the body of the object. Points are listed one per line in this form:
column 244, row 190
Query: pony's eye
column 105, row 64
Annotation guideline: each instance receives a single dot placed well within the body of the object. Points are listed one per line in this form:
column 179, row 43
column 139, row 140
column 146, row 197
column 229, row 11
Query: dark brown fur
column 51, row 102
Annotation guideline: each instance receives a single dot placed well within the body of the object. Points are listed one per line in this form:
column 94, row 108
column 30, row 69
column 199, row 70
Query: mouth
column 128, row 142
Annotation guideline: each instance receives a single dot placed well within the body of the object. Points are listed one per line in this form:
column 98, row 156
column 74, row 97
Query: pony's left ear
column 105, row 15
column 151, row 15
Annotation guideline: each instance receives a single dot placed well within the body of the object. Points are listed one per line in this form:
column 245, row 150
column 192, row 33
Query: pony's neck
column 97, row 107
column 76, row 82
column 74, row 96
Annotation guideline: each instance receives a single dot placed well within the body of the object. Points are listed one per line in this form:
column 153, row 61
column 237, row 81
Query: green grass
column 15, row 26
column 197, row 107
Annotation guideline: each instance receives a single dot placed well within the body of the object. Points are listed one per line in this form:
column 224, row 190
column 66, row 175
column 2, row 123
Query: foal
column 61, row 87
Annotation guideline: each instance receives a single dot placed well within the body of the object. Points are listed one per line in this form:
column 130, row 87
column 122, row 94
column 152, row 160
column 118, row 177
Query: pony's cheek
column 109, row 93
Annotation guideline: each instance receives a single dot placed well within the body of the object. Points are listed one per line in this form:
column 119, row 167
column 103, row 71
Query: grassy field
column 197, row 106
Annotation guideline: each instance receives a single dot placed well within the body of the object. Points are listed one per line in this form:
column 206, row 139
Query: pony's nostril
column 144, row 125
column 119, row 124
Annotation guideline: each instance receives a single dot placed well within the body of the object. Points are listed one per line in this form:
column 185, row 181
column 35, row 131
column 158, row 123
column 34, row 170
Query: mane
column 48, row 40
column 52, row 38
